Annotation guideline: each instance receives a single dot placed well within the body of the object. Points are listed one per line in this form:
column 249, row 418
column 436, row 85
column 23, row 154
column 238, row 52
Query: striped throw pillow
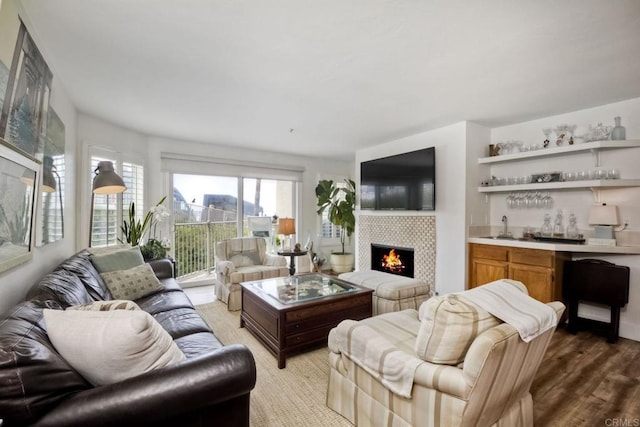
column 448, row 326
column 114, row 304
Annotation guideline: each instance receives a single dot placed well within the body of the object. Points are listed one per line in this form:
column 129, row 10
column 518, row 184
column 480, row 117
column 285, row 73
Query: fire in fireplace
column 390, row 259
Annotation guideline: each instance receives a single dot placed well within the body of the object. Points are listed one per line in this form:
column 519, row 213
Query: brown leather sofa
column 38, row 387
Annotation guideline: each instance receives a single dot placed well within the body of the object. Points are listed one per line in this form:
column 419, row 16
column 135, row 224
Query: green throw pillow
column 133, row 283
column 118, row 260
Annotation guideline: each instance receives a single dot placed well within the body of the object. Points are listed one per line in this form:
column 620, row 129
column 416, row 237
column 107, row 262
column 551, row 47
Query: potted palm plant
column 340, row 201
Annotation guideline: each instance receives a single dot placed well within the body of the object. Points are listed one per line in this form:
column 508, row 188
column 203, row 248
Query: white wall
column 451, row 171
column 97, row 132
column 579, row 201
column 15, row 283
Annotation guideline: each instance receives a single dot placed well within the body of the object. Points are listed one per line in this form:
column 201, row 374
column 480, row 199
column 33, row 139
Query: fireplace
column 392, row 259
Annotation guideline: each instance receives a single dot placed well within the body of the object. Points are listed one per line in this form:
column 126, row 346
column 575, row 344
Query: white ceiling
column 328, row 77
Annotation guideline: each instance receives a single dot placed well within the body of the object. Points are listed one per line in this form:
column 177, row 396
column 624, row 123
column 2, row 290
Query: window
column 327, row 228
column 110, row 209
column 206, row 210
column 268, row 197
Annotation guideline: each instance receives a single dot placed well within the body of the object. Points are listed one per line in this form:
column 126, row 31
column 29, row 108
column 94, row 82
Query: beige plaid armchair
column 244, row 259
column 467, row 369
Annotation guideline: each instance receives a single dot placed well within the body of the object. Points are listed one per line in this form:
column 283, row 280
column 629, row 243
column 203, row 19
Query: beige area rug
column 293, row 396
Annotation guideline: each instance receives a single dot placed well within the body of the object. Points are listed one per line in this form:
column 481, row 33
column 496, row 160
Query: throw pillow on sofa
column 245, row 258
column 34, row 377
column 122, row 259
column 448, row 327
column 133, row 283
column 116, row 304
column 110, row 346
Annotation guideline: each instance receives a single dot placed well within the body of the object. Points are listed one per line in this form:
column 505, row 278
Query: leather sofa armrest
column 204, row 381
column 163, row 268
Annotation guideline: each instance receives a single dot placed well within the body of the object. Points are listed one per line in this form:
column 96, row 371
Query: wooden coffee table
column 290, row 314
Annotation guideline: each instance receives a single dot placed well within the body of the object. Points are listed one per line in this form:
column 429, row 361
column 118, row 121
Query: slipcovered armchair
column 451, row 363
column 244, row 259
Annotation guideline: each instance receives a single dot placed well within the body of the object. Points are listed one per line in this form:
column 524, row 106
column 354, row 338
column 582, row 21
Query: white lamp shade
column 603, row 214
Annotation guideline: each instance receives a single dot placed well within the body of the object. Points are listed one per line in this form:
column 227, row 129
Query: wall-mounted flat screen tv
column 404, row 181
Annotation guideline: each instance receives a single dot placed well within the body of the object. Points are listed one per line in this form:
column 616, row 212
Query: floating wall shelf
column 562, row 185
column 594, row 146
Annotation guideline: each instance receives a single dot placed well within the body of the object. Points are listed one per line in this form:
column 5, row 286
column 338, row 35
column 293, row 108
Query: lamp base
column 603, row 232
column 601, row 242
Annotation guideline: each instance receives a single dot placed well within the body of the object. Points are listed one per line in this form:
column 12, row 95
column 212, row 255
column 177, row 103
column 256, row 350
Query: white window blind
column 202, row 165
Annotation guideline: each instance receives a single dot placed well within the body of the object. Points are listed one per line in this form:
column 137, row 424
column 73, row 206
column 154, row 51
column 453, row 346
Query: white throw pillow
column 110, row 346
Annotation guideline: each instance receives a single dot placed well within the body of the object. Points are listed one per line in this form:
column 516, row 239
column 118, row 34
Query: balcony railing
column 195, row 244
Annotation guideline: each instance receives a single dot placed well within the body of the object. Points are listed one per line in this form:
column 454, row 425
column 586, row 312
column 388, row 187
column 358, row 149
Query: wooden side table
column 292, row 264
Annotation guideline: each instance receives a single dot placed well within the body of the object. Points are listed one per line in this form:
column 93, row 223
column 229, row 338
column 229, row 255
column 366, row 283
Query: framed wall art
column 25, row 82
column 18, row 184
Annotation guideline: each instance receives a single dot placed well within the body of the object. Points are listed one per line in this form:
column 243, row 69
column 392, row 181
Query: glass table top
column 292, row 289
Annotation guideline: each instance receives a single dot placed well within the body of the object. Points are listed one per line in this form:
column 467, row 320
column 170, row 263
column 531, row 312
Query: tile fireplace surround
column 417, row 232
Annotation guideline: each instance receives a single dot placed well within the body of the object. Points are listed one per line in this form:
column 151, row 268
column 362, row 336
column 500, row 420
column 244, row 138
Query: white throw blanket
column 507, row 302
column 376, row 355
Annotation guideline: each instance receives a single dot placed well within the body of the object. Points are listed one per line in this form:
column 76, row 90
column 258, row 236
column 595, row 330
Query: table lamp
column 603, row 217
column 287, row 227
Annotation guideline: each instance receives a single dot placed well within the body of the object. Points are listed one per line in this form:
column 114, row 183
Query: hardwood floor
column 584, row 381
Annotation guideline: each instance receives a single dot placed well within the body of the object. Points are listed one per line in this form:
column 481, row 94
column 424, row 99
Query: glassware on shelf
column 598, row 133
column 572, row 228
column 571, row 129
column 537, row 200
column 561, row 134
column 618, row 133
column 546, row 228
column 547, row 132
column 529, row 200
column 558, row 228
column 613, row 174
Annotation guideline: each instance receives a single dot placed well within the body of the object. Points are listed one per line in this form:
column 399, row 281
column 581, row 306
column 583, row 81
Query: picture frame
column 18, row 195
column 25, row 84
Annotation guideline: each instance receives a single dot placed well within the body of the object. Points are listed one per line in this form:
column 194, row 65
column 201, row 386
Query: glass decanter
column 546, row 229
column 572, row 228
column 558, row 228
column 618, row 132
